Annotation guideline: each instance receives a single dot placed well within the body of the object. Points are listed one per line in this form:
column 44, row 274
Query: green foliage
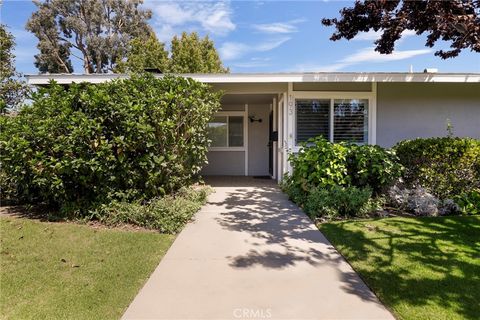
column 319, row 163
column 339, row 201
column 191, row 54
column 337, row 179
column 445, row 166
column 167, row 214
column 373, row 166
column 98, row 30
column 323, row 164
column 12, row 90
column 136, row 138
column 295, row 190
column 144, row 53
column 469, row 202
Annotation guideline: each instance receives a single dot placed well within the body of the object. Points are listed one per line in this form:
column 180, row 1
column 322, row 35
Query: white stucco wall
column 411, row 110
column 225, row 163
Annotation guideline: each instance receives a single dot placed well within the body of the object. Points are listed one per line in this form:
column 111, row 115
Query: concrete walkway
column 252, row 254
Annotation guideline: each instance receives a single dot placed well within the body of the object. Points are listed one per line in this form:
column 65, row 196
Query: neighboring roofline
column 42, row 79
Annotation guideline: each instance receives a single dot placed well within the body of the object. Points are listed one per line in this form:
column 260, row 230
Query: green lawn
column 71, row 271
column 421, row 268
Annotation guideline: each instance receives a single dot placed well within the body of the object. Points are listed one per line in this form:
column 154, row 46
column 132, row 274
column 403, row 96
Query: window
column 349, row 123
column 313, row 119
column 226, row 131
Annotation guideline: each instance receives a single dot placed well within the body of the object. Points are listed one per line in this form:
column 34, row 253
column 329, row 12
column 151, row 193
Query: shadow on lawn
column 416, row 261
column 282, row 236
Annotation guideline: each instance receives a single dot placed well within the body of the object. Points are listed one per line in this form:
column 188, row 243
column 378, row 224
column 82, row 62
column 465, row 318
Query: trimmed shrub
column 372, row 166
column 132, row 139
column 319, row 163
column 167, row 214
column 445, row 166
column 469, row 202
column 339, row 201
column 322, row 164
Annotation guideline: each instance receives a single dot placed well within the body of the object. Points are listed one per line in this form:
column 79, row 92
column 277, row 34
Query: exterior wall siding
column 225, row 163
column 412, row 110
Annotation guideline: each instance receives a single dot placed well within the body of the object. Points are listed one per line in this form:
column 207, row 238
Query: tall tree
column 95, row 31
column 456, row 21
column 144, row 54
column 12, row 89
column 190, row 54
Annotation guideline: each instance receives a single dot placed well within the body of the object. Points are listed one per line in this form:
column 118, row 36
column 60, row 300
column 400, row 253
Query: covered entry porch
column 247, row 134
column 260, row 124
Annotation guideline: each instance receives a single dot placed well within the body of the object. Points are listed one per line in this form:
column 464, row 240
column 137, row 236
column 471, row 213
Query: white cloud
column 370, row 55
column 278, row 27
column 234, row 50
column 253, row 63
column 368, row 36
column 375, row 35
column 366, row 55
column 171, row 18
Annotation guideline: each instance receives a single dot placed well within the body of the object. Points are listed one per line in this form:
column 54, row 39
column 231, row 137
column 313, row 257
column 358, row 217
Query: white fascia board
column 274, row 77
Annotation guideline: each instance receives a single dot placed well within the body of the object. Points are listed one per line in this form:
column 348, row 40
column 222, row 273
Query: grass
column 71, row 271
column 421, row 268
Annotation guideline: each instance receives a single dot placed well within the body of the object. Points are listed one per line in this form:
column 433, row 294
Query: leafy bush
column 167, row 214
column 319, row 163
column 339, row 201
column 445, row 166
column 322, row 164
column 295, row 191
column 137, row 138
column 469, row 202
column 373, row 166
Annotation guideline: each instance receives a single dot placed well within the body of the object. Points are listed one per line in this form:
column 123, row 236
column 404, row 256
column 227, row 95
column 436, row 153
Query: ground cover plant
column 71, row 271
column 167, row 214
column 420, row 268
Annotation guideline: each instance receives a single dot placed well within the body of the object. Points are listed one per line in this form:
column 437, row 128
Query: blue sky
column 264, row 36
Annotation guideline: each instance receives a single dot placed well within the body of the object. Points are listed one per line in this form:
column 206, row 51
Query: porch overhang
column 43, row 79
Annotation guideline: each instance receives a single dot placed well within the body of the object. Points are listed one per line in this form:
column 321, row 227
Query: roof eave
column 273, row 77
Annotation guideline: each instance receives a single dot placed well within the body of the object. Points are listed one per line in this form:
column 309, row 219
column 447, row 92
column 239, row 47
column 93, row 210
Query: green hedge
column 445, row 166
column 84, row 145
column 322, row 164
column 340, row 179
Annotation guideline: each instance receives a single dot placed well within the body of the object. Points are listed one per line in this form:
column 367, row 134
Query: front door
column 258, row 140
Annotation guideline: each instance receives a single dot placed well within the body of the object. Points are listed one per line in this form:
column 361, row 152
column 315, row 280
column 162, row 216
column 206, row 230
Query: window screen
column 313, row 119
column 235, row 131
column 350, row 120
column 226, row 131
column 217, row 131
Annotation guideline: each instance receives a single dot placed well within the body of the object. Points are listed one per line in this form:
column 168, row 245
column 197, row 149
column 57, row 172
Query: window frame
column 228, row 114
column 332, row 96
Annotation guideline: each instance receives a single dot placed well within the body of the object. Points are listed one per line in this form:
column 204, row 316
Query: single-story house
column 265, row 116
